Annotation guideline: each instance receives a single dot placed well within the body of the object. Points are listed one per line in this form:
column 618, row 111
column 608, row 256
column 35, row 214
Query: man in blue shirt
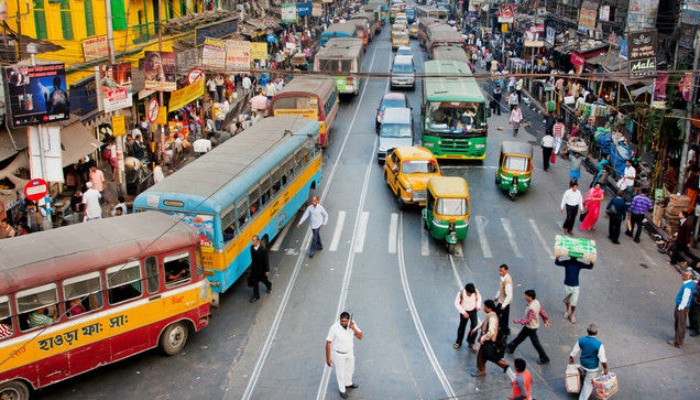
column 680, row 313
column 617, row 211
column 319, row 218
column 572, row 268
column 638, row 209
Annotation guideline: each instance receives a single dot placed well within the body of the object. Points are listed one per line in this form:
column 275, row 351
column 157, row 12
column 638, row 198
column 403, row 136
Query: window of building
column 66, row 20
column 124, row 282
column 89, row 18
column 40, row 19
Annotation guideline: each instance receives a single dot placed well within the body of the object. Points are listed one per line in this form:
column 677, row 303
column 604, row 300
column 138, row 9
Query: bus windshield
column 334, row 66
column 295, row 103
column 396, row 131
column 454, row 117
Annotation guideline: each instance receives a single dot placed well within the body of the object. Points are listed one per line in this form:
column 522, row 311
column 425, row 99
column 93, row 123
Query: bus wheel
column 173, row 338
column 14, row 390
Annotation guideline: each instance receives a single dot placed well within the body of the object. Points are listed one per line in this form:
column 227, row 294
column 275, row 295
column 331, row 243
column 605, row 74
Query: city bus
column 342, row 58
column 454, row 112
column 313, row 97
column 443, row 35
column 338, row 30
column 252, row 184
column 452, row 53
column 430, row 12
column 86, row 295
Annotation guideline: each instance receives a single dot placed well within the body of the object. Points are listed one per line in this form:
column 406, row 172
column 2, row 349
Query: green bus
column 454, row 112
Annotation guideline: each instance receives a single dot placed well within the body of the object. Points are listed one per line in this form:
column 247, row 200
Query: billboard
column 641, row 52
column 36, row 94
column 114, row 83
column 238, row 54
column 214, row 53
column 160, row 71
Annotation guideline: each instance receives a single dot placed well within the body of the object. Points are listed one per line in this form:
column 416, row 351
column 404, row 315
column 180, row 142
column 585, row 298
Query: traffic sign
column 194, row 74
column 152, row 111
column 36, row 189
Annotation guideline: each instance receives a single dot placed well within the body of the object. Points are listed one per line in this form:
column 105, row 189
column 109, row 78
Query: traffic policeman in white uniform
column 339, row 351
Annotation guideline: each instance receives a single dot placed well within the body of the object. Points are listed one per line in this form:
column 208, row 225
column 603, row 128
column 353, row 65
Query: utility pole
column 112, row 61
column 689, row 114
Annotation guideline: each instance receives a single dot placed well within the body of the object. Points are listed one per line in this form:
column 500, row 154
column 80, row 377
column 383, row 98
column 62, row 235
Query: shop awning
column 11, row 145
column 77, row 142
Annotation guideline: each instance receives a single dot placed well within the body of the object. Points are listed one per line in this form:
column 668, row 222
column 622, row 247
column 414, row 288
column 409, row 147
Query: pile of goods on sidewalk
column 667, row 216
column 575, row 248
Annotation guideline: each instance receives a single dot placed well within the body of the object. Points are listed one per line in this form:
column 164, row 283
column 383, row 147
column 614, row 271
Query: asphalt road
column 399, row 284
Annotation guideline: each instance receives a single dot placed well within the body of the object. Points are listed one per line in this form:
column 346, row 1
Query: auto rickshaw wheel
column 451, row 248
column 512, row 196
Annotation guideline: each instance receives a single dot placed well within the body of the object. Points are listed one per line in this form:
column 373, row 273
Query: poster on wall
column 160, row 71
column 36, row 94
column 114, row 83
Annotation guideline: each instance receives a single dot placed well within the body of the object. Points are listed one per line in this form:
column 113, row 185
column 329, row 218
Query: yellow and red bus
column 76, row 298
column 310, row 97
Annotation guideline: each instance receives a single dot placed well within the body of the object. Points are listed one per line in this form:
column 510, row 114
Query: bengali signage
column 258, row 51
column 238, row 54
column 289, row 13
column 114, row 83
column 36, row 94
column 186, row 95
column 118, row 125
column 641, row 47
column 95, row 48
column 160, row 71
column 214, row 53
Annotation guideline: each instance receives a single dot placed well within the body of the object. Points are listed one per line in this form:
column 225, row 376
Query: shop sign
column 118, row 125
column 238, row 54
column 214, row 53
column 642, row 53
column 36, row 94
column 289, row 13
column 258, row 51
column 95, row 48
column 577, row 58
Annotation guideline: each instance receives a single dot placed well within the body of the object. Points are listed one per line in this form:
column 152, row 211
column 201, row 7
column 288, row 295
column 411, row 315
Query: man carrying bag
column 491, row 348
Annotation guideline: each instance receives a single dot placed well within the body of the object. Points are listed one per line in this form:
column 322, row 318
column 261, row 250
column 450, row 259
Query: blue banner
column 304, row 9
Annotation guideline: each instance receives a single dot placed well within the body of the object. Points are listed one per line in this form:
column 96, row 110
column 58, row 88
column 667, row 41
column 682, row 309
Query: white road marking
column 417, row 322
column 361, row 232
column 424, row 241
column 511, row 236
column 481, row 223
column 337, row 231
column 393, row 226
column 280, row 237
column 544, row 244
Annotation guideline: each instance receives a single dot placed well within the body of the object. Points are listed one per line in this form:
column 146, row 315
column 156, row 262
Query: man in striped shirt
column 638, row 209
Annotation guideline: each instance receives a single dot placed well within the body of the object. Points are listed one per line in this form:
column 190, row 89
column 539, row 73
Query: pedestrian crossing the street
column 484, row 236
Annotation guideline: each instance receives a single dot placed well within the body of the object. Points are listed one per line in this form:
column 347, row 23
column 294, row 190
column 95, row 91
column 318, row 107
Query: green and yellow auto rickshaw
column 515, row 167
column 447, row 210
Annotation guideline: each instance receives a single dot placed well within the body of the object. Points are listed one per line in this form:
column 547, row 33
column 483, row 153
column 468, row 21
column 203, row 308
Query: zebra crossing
column 428, row 246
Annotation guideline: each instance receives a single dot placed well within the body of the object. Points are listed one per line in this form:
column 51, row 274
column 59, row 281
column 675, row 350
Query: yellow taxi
column 398, row 39
column 413, row 30
column 407, row 171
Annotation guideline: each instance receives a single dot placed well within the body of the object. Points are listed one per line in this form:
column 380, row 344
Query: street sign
column 153, row 110
column 36, row 189
column 194, row 74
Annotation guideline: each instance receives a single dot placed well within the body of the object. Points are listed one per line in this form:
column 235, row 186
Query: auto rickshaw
column 447, row 210
column 514, row 168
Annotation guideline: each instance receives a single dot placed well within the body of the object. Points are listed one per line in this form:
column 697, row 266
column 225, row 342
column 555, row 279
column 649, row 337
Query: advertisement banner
column 660, row 86
column 623, row 49
column 36, row 94
column 533, row 36
column 505, row 14
column 289, row 13
column 587, row 17
column 186, row 95
column 258, row 51
column 114, row 86
column 317, row 10
column 238, row 54
column 641, row 14
column 304, row 9
column 118, row 125
column 95, row 48
column 160, row 71
column 214, row 53
column 641, row 52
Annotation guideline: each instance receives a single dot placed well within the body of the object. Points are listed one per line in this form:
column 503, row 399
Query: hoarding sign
column 642, row 53
column 114, row 82
column 214, row 53
column 37, row 94
column 238, row 54
column 160, row 71
column 95, row 48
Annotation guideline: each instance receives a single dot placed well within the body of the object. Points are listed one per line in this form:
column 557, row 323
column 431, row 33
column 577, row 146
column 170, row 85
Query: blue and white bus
column 252, row 184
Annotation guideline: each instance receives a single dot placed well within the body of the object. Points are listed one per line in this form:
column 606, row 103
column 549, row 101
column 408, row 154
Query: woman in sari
column 592, row 203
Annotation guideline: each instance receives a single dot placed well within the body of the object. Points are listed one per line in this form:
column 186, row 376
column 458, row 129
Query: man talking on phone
column 339, row 351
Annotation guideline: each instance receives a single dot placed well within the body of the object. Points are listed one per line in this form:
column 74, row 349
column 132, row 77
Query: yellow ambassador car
column 407, row 171
column 413, row 30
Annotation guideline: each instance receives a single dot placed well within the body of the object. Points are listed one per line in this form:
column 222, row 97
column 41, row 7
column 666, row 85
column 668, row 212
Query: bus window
column 37, row 306
column 5, row 321
column 177, row 269
column 254, row 200
column 277, row 180
column 266, row 189
column 152, row 284
column 228, row 222
column 242, row 207
column 124, row 282
column 289, row 170
column 82, row 294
